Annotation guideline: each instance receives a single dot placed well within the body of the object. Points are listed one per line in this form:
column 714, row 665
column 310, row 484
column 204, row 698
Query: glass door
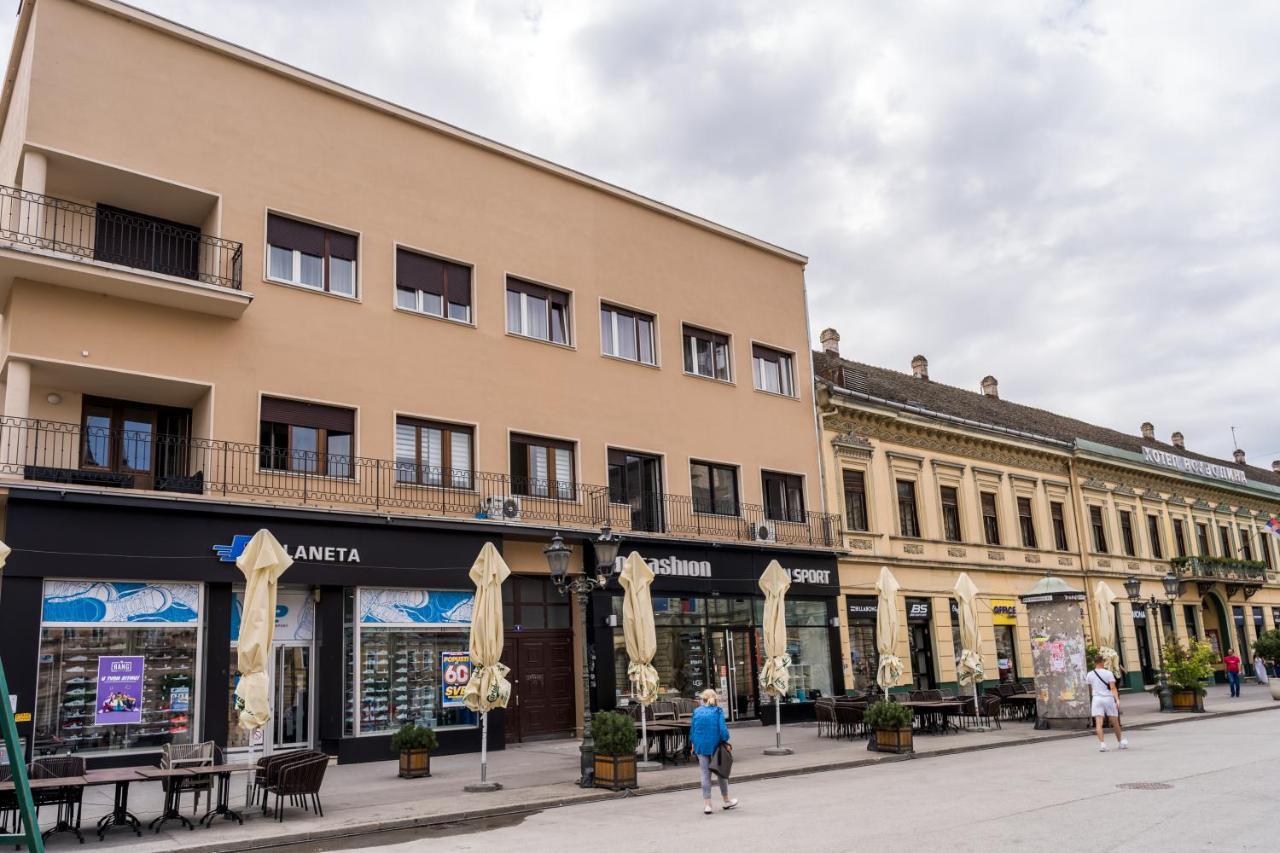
column 1144, row 651
column 293, row 696
column 635, row 479
column 921, row 655
column 733, row 671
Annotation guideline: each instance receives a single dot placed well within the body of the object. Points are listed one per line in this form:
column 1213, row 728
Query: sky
column 1081, row 199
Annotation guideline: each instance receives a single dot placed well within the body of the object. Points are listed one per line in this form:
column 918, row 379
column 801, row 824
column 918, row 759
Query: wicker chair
column 298, row 780
column 68, row 800
column 190, row 755
column 825, row 713
column 849, row 721
column 268, row 770
column 989, row 708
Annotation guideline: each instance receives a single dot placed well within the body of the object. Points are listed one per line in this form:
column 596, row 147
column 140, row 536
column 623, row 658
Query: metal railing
column 55, row 452
column 114, row 237
column 1220, row 569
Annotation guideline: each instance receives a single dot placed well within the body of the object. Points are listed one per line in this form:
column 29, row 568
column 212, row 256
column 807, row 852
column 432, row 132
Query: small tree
column 1187, row 666
column 887, row 715
column 614, row 734
column 411, row 736
column 1267, row 646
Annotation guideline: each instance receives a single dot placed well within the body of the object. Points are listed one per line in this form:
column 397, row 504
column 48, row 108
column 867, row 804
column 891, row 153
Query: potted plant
column 414, row 743
column 1267, row 647
column 615, row 757
column 1186, row 667
column 891, row 727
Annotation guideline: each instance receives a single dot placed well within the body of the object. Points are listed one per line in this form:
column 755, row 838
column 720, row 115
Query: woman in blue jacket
column 706, row 732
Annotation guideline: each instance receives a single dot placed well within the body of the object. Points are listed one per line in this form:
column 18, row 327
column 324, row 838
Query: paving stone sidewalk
column 361, row 797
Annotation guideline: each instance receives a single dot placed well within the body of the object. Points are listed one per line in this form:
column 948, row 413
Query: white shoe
column 1124, row 744
column 729, row 805
column 1102, row 747
column 706, row 809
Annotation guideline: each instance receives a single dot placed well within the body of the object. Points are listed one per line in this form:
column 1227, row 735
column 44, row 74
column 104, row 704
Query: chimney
column 1148, row 430
column 830, row 339
column 1178, row 441
column 1239, row 456
column 920, row 368
column 1275, row 466
column 990, row 388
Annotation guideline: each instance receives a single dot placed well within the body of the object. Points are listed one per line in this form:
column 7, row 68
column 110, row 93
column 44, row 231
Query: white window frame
column 653, row 337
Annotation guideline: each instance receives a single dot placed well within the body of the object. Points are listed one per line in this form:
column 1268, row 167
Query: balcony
column 110, row 250
column 131, row 459
column 1238, row 575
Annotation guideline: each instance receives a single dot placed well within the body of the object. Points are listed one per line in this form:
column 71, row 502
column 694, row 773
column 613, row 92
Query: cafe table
column 119, row 816
column 222, row 808
column 67, row 812
column 172, row 794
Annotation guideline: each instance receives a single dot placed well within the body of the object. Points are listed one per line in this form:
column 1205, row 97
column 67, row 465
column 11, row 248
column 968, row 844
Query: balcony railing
column 54, row 452
column 1241, row 572
column 115, row 237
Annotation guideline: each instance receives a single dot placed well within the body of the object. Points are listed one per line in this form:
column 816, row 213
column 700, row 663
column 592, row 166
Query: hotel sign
column 1192, row 466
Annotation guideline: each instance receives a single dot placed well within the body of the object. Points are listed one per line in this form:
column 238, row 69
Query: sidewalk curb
column 468, row 815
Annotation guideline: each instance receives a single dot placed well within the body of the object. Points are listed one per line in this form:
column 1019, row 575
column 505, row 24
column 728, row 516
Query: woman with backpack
column 707, row 731
column 1106, row 702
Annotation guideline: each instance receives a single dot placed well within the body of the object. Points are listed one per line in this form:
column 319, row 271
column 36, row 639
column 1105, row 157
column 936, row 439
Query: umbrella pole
column 778, row 748
column 644, row 730
column 977, row 727
column 484, row 747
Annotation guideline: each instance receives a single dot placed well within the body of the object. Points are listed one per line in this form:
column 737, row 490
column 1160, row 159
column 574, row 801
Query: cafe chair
column 68, row 800
column 189, row 755
column 267, row 772
column 299, row 781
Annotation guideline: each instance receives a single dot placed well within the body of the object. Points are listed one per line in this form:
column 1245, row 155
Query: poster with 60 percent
column 455, row 673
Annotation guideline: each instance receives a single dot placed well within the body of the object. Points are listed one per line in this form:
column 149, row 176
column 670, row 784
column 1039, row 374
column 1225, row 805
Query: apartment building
column 237, row 295
column 934, row 480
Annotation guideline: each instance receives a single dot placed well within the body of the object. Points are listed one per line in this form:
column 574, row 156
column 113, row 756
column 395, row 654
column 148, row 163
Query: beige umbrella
column 775, row 678
column 488, row 687
column 263, row 561
column 642, row 640
column 969, row 667
column 890, row 669
column 1104, row 612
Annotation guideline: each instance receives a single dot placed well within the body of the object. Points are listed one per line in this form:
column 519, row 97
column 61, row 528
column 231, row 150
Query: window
column 1179, row 537
column 783, row 496
column 433, row 454
column 1202, row 538
column 772, row 370
column 1026, row 523
column 706, row 353
column 1058, row 517
column 537, row 312
column 627, row 334
column 542, row 467
column 1224, row 536
column 1246, row 547
column 1265, row 547
column 715, row 488
column 311, row 256
column 531, row 602
column 1189, row 616
column 1126, row 533
column 950, row 513
column 429, row 285
column 306, row 438
column 1153, row 533
column 908, row 523
column 855, row 500
column 1099, row 529
column 990, row 521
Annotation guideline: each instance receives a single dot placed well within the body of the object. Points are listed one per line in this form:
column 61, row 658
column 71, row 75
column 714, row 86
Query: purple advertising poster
column 119, row 691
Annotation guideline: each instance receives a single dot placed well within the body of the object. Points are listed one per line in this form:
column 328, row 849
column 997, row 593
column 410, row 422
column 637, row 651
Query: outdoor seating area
column 933, row 711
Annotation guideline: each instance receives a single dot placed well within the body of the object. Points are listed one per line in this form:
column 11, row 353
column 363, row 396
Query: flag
column 1273, row 526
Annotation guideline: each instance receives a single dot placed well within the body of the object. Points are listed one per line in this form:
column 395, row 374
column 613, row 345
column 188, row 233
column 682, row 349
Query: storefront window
column 864, row 658
column 1004, row 615
column 117, row 665
column 291, row 669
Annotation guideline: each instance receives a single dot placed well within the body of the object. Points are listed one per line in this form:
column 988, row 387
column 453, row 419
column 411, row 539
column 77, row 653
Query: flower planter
column 1187, row 700
column 891, row 740
column 415, row 763
column 615, row 772
column 1274, row 683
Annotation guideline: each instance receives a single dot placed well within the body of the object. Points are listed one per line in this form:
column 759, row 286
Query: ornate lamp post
column 582, row 585
column 1133, row 588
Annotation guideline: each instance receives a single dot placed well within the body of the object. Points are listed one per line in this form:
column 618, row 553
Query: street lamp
column 582, row 584
column 1133, row 588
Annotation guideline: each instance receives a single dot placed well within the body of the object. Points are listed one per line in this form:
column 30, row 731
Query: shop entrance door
column 293, row 696
column 921, row 644
column 542, row 685
column 733, row 671
column 1144, row 652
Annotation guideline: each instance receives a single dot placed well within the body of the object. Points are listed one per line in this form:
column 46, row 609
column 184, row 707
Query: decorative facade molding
column 1131, row 566
column 851, row 446
column 995, row 555
column 943, row 463
column 1104, row 564
column 990, row 472
column 1095, row 484
column 1031, row 558
column 913, row 549
column 956, row 552
column 893, row 455
column 860, row 544
column 1065, row 561
column 1124, row 489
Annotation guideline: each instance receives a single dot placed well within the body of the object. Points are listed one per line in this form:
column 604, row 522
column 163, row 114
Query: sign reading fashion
column 314, row 553
column 676, row 567
column 1192, row 466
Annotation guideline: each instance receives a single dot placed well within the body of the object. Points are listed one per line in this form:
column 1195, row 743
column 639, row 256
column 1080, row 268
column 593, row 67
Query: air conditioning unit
column 501, row 508
column 766, row 531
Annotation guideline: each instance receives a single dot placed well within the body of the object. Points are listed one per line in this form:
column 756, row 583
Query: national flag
column 1273, row 526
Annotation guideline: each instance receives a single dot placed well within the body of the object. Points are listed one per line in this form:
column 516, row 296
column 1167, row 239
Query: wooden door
column 542, row 685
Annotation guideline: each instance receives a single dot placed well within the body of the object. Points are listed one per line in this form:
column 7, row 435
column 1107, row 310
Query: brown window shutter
column 459, row 278
column 303, row 414
column 419, row 272
column 342, row 245
column 294, row 235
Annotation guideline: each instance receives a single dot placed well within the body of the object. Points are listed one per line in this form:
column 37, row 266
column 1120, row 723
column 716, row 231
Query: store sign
column 105, row 603
column 455, row 672
column 295, row 614
column 1139, row 613
column 119, row 697
column 919, row 609
column 676, row 567
column 304, row 553
column 424, row 608
column 1192, row 466
column 1004, row 611
column 861, row 607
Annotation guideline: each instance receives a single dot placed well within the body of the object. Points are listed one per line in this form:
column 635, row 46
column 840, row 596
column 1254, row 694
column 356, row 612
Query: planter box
column 415, row 763
column 616, row 772
column 1274, row 684
column 1187, row 700
column 891, row 740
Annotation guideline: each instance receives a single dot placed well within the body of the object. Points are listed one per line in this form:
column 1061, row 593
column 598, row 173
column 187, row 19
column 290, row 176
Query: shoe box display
column 400, row 680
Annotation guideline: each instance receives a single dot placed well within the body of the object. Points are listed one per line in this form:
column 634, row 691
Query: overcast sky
column 1079, row 198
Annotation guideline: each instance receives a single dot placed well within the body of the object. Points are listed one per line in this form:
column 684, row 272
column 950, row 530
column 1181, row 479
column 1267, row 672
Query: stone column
column 31, row 214
column 13, row 431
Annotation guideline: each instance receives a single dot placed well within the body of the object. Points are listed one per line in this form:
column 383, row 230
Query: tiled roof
column 906, row 389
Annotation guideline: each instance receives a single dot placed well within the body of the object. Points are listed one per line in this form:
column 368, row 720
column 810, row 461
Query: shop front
column 864, row 655
column 1004, row 623
column 920, row 643
column 708, row 612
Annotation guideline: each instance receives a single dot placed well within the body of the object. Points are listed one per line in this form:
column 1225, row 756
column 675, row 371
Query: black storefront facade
column 707, row 615
column 372, row 613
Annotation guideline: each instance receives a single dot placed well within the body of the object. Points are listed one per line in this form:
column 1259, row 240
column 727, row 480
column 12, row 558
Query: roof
column 1001, row 415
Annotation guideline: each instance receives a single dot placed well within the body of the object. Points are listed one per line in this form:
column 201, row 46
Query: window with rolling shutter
column 535, row 311
column 771, row 370
column 311, row 256
column 306, row 438
column 542, row 467
column 433, row 454
column 706, row 354
column 433, row 286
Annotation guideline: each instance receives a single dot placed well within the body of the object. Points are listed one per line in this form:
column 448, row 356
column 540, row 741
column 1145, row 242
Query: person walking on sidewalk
column 1106, row 703
column 1232, row 664
column 707, row 731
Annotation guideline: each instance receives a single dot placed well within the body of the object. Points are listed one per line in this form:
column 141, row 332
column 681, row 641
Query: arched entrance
column 1217, row 628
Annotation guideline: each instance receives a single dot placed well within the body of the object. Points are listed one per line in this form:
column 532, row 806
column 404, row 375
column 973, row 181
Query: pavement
column 363, row 798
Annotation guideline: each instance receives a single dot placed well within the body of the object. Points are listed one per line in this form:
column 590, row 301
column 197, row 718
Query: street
column 1058, row 796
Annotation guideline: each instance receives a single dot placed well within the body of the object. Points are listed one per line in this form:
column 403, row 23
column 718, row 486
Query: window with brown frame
column 433, row 286
column 706, row 354
column 908, row 520
column 531, row 603
column 715, row 488
column 1099, row 529
column 1153, row 533
column 1179, row 537
column 1246, row 547
column 783, row 496
column 1126, row 534
column 855, row 499
column 1057, row 515
column 306, row 438
column 627, row 334
column 990, row 519
column 1224, row 535
column 771, row 370
column 433, row 454
column 542, row 467
column 1027, row 523
column 1202, row 539
column 950, row 513
column 536, row 311
column 311, row 256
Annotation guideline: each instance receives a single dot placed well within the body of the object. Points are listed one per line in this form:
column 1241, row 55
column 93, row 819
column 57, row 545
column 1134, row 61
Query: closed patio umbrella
column 775, row 678
column 969, row 667
column 1104, row 612
column 641, row 639
column 890, row 669
column 488, row 687
column 262, row 562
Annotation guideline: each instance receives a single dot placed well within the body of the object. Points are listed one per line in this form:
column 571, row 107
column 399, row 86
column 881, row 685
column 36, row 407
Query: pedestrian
column 707, row 731
column 1232, row 664
column 1260, row 668
column 1106, row 703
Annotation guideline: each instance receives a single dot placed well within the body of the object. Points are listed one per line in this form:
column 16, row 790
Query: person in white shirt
column 1106, row 702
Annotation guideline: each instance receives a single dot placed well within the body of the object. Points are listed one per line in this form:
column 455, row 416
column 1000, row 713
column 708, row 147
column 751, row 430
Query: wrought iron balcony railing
column 114, row 236
column 1242, row 572
column 54, row 452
